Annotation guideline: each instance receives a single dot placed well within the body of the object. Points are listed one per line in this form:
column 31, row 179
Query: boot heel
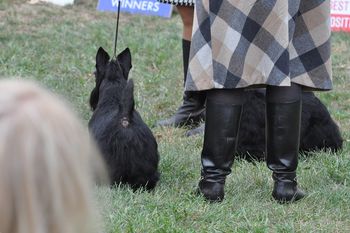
column 211, row 191
column 285, row 189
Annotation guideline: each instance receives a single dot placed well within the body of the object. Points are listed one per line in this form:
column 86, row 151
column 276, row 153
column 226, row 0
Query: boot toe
column 179, row 121
column 196, row 131
column 285, row 194
column 212, row 192
column 166, row 123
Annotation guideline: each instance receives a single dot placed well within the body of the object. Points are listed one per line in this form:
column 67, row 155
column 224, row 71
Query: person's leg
column 223, row 113
column 192, row 109
column 186, row 13
column 283, row 115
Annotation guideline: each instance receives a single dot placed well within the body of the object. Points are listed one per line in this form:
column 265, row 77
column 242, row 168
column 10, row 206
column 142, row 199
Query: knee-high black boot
column 192, row 109
column 282, row 146
column 220, row 139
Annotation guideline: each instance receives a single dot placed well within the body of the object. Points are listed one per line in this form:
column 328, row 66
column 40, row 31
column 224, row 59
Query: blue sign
column 147, row 7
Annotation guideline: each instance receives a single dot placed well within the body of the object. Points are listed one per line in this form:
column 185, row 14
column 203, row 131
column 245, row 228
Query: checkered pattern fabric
column 179, row 2
column 244, row 43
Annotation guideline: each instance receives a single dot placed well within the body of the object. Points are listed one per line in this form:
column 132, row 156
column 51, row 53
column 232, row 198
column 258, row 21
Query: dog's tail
column 128, row 103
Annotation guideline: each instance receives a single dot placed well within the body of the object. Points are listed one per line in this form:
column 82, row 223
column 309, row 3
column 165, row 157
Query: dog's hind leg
column 148, row 183
column 319, row 131
column 322, row 137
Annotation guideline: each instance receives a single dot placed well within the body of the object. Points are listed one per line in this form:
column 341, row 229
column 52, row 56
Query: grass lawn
column 57, row 47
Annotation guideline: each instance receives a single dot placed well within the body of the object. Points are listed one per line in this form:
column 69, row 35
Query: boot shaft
column 282, row 147
column 282, row 136
column 220, row 140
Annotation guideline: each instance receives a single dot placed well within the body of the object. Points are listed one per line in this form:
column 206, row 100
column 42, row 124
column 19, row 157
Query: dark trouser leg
column 223, row 113
column 283, row 114
column 192, row 109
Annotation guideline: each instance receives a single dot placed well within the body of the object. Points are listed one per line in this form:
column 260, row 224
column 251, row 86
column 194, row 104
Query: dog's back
column 318, row 130
column 137, row 145
column 128, row 145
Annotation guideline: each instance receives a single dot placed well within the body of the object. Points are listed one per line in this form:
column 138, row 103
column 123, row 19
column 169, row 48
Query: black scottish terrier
column 318, row 130
column 127, row 144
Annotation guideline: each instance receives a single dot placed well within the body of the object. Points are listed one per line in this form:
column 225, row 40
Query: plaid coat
column 244, row 43
column 179, row 2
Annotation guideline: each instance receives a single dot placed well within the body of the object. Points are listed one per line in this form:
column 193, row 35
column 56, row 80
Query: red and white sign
column 340, row 15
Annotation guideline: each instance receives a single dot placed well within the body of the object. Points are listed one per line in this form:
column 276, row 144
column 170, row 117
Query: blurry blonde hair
column 47, row 164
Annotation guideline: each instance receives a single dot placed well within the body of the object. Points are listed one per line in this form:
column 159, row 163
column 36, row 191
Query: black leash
column 116, row 32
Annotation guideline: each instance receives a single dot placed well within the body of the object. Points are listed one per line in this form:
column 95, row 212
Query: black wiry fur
column 127, row 144
column 318, row 130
